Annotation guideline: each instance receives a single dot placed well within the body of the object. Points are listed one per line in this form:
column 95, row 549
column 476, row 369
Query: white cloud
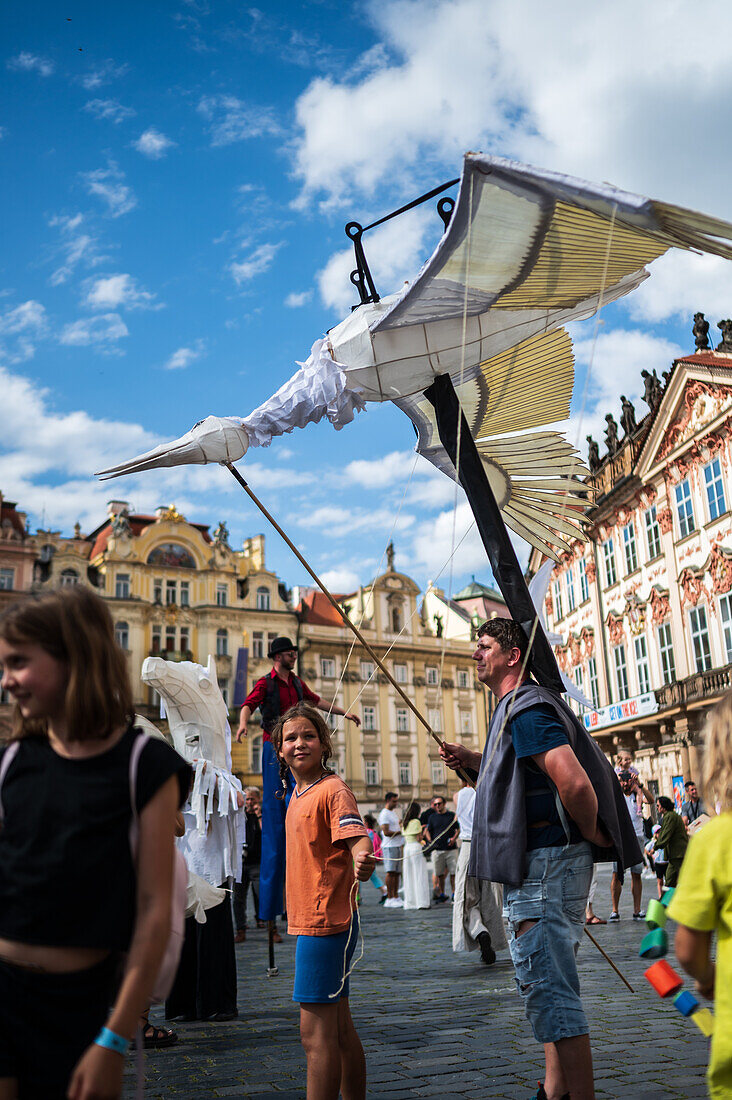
column 394, row 252
column 118, row 292
column 680, row 284
column 560, row 84
column 298, row 299
column 76, row 246
column 20, row 327
column 341, row 579
column 257, row 262
column 105, row 329
column 183, row 357
column 108, row 184
column 109, row 109
column 153, row 144
column 341, row 522
column 380, row 473
column 30, row 62
column 231, row 120
column 103, row 74
column 436, row 540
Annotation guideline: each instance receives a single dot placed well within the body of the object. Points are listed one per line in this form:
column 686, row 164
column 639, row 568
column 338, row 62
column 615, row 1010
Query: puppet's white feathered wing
column 526, row 252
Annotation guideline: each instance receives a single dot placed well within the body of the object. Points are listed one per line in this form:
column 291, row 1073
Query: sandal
column 153, row 1036
column 594, row 919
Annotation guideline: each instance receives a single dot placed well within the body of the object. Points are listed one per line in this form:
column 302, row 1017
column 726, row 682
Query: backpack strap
column 8, row 757
column 137, row 746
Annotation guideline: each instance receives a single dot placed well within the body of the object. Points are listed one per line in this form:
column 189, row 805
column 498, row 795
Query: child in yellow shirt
column 702, row 904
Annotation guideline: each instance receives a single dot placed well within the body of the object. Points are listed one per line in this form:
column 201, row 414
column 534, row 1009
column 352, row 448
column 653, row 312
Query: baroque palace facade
column 178, row 591
column 645, row 607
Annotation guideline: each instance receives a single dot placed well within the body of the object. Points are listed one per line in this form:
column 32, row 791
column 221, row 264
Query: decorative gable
column 701, row 404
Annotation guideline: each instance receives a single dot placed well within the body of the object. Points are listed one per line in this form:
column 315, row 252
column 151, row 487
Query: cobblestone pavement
column 437, row 1024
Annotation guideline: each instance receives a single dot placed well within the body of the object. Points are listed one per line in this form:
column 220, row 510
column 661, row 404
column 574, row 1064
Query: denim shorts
column 554, row 894
column 320, row 963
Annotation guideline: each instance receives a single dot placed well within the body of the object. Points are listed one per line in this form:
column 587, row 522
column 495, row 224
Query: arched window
column 222, row 643
column 122, row 635
column 262, row 599
column 396, row 619
column 68, row 577
column 257, row 754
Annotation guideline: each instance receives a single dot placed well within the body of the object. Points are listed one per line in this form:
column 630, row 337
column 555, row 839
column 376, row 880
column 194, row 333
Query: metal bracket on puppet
column 361, row 275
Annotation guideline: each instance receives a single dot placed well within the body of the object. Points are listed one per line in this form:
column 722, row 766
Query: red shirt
column 288, row 695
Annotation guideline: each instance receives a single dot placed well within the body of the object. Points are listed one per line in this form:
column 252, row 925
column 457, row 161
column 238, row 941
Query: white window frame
column 571, row 599
column 594, row 683
column 122, row 634
column 643, row 668
column 558, row 604
column 584, row 584
column 714, row 485
column 725, row 618
column 463, row 678
column 466, row 722
column 400, row 673
column 684, row 508
column 327, row 668
column 701, row 642
column 122, row 586
column 608, row 557
column 222, row 643
column 68, row 578
column 7, row 579
column 653, row 533
column 405, row 773
column 222, row 595
column 257, row 645
column 437, row 773
column 367, row 671
column 171, row 593
column 620, row 668
column 185, row 593
column 402, row 720
column 629, row 548
column 434, row 717
column 432, row 675
column 263, row 599
column 369, row 717
column 664, row 637
column 371, row 772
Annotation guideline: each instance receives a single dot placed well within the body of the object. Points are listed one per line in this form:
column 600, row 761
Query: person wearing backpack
column 274, row 694
column 84, row 923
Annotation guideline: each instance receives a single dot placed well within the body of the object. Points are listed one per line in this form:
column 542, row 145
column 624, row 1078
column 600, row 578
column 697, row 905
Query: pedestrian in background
column 477, row 920
column 702, row 903
column 370, row 822
column 671, row 837
column 392, row 845
column 442, row 833
column 252, row 856
column 415, row 870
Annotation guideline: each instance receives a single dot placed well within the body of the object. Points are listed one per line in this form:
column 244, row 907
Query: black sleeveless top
column 66, row 872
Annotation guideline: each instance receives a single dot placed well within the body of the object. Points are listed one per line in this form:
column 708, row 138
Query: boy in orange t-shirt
column 328, row 849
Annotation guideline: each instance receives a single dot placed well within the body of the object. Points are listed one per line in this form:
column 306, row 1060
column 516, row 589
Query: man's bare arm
column 244, row 717
column 333, row 708
column 575, row 790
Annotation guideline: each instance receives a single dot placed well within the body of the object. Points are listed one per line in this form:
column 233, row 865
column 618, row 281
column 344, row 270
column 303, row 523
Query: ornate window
column 584, row 587
column 222, row 643
column 684, row 509
column 571, row 601
column 558, row 605
column 666, row 652
column 263, row 599
column 171, row 593
column 641, row 663
column 653, row 533
column 594, row 685
column 173, row 555
column 715, row 489
column 608, row 553
column 68, row 578
column 700, row 638
column 621, row 672
column 725, row 615
column 122, row 635
column 631, row 554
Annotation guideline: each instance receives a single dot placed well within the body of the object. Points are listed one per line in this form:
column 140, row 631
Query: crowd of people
column 538, row 809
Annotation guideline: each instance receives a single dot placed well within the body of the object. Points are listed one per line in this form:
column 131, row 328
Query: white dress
column 415, row 869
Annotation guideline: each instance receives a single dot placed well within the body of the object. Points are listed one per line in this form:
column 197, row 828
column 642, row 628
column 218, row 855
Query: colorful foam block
column 704, row 1021
column 686, row 1003
column 663, row 978
column 654, row 945
column 667, row 895
column 655, row 914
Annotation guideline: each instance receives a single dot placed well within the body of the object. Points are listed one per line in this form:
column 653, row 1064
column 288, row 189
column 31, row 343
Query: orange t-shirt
column 319, row 863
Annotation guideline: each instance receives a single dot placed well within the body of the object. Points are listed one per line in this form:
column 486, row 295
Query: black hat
column 281, row 645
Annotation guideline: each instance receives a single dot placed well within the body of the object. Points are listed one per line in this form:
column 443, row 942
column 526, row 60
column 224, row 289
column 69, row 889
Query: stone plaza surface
column 437, row 1024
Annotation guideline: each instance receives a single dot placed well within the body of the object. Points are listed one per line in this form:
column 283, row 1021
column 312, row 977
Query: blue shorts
column 554, row 894
column 320, row 963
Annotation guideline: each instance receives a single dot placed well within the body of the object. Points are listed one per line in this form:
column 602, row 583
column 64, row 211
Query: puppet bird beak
column 215, row 439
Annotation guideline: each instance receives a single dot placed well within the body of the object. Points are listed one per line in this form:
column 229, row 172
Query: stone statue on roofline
column 593, row 454
column 701, row 332
column 611, row 434
column 627, row 418
column 221, row 535
column 652, row 389
column 725, row 343
column 438, row 625
column 390, row 557
column 121, row 525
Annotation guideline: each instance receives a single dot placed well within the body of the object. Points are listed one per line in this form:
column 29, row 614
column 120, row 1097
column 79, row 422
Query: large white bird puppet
column 474, row 351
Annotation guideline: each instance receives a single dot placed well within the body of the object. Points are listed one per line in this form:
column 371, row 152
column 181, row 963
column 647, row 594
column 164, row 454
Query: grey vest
column 498, row 850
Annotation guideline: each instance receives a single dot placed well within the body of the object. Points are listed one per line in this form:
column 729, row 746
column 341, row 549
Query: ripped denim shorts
column 554, row 894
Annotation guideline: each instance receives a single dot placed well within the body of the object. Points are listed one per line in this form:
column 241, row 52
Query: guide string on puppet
column 479, row 393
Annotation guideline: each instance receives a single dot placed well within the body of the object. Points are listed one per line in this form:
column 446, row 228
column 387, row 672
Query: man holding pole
column 274, row 694
column 548, row 805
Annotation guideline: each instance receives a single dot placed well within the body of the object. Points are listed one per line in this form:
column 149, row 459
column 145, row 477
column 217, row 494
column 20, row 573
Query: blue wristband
column 111, row 1041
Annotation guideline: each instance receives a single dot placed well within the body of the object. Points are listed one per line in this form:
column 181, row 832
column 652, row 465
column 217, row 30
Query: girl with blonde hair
column 702, row 902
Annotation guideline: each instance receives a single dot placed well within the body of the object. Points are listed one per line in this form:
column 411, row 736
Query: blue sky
column 177, row 178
